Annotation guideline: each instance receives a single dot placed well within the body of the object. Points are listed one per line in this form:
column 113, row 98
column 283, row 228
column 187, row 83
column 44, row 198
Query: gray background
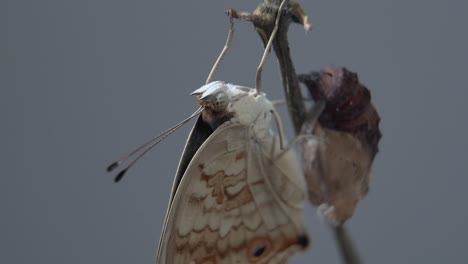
column 83, row 82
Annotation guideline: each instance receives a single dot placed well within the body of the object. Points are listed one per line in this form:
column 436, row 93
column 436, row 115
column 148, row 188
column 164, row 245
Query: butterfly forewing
column 238, row 201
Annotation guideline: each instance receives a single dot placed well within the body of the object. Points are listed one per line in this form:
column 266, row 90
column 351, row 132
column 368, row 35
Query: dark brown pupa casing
column 338, row 174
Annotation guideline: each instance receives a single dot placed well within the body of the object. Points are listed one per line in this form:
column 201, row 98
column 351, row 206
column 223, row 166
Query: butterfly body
column 235, row 199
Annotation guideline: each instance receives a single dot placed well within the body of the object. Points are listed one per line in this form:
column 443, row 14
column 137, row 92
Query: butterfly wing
column 200, row 132
column 235, row 204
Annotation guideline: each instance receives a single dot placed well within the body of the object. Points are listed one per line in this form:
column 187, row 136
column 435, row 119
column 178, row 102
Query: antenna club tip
column 112, row 166
column 230, row 12
column 120, row 175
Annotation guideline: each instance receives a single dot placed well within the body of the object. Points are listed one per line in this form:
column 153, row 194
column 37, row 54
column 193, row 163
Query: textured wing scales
column 227, row 209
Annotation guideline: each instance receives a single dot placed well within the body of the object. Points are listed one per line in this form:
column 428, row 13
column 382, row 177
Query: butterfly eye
column 259, row 250
column 219, row 101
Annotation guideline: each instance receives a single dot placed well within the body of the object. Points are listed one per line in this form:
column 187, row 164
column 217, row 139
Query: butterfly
column 237, row 197
column 238, row 193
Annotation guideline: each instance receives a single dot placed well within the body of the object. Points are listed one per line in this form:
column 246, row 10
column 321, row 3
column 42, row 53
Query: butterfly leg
column 278, row 102
column 306, row 138
column 225, row 48
column 258, row 77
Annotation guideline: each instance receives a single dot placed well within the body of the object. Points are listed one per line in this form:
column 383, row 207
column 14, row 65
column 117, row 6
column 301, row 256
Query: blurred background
column 84, row 82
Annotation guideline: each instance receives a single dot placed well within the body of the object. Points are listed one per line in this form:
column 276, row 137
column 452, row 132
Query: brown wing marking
column 224, row 214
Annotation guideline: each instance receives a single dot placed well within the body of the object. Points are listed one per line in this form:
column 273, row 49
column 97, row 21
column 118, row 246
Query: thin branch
column 263, row 19
column 349, row 252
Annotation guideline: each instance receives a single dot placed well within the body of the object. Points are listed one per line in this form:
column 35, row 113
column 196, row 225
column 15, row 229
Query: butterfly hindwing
column 229, row 208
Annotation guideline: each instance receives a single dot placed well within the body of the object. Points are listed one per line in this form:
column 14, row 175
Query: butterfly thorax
column 236, row 104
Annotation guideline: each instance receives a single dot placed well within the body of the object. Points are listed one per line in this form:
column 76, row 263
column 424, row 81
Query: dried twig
column 263, row 19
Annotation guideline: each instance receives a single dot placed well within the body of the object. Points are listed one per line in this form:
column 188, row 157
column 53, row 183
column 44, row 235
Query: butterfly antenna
column 151, row 143
column 225, row 48
column 258, row 77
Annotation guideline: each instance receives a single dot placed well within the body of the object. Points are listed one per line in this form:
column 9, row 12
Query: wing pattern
column 236, row 204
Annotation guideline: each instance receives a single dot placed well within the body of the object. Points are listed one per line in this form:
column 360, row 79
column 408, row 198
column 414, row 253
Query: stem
column 263, row 19
column 290, row 82
column 347, row 249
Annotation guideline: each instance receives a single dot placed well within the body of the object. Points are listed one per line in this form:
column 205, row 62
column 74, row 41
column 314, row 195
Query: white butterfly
column 238, row 194
column 235, row 199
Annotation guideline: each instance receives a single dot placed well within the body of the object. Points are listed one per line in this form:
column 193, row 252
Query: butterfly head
column 223, row 102
column 213, row 97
